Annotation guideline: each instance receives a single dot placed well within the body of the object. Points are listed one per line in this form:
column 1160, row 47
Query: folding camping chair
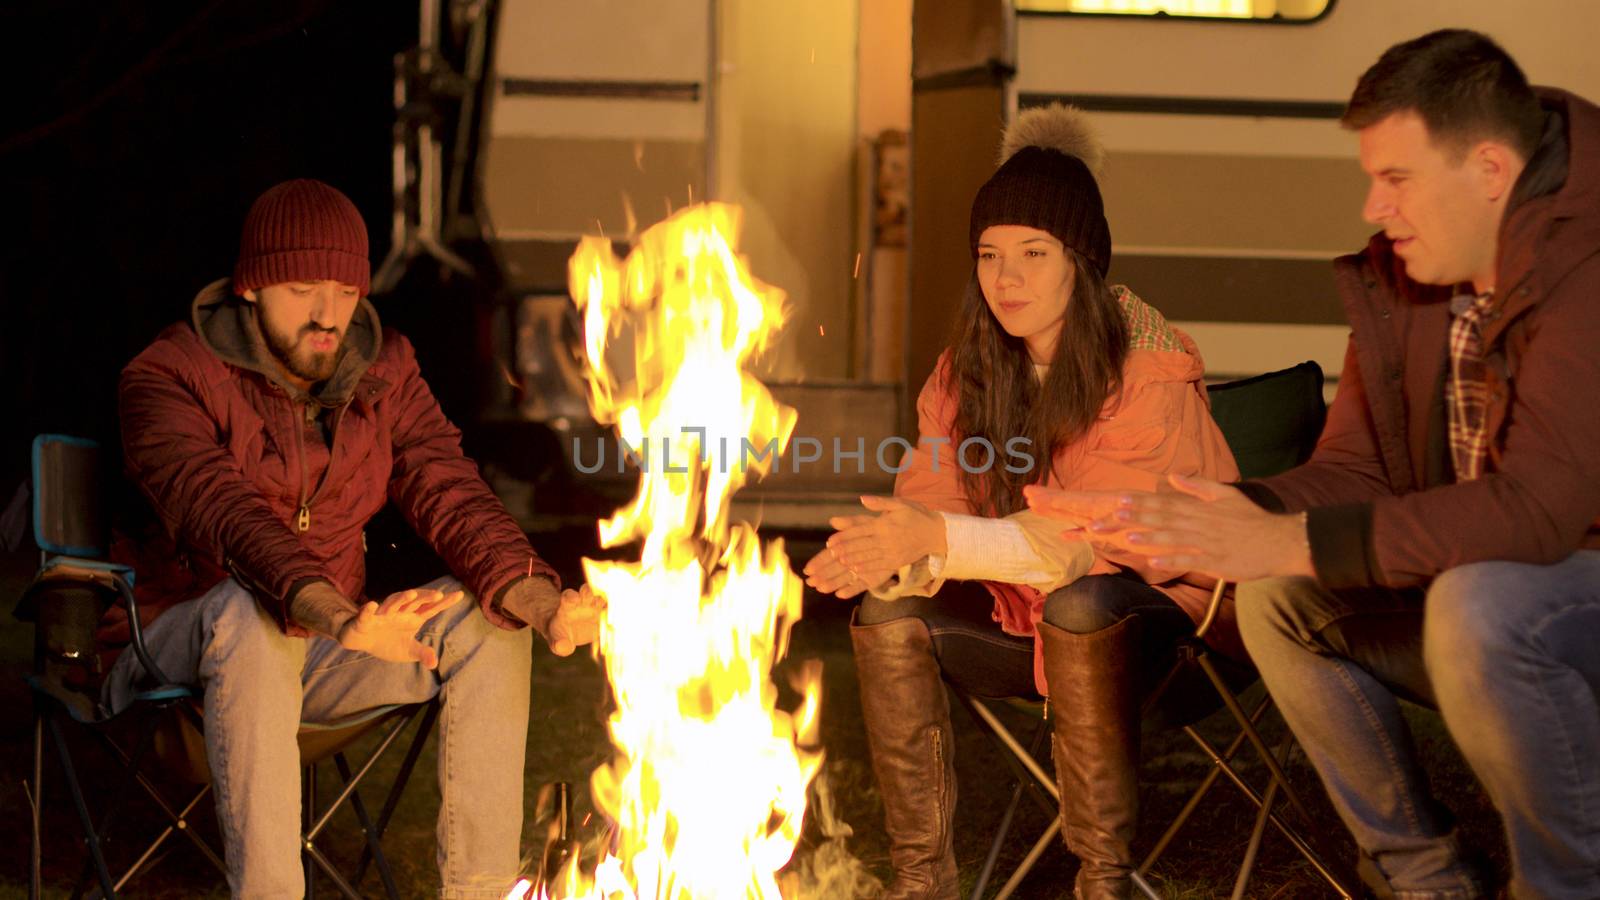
column 73, row 587
column 1271, row 423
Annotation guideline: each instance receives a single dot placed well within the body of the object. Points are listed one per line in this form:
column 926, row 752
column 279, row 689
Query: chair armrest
column 75, row 568
column 1212, row 608
column 64, row 571
column 136, row 632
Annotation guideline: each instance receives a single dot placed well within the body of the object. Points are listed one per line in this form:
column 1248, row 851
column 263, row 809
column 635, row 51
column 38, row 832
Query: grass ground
column 567, row 740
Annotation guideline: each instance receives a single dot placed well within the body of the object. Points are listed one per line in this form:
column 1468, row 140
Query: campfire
column 707, row 791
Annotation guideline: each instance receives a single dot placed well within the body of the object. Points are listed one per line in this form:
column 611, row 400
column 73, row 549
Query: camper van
column 852, row 135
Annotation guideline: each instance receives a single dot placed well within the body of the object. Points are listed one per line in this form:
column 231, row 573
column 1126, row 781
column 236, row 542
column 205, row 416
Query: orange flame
column 707, row 792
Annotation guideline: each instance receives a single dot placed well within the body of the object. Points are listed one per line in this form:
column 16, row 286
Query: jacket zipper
column 302, row 520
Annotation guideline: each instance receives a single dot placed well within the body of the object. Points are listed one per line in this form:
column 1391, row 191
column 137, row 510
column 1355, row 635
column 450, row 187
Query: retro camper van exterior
column 1229, row 184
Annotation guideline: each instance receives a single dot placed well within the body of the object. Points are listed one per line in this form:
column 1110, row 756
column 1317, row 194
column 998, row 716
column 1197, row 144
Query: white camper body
column 1229, row 185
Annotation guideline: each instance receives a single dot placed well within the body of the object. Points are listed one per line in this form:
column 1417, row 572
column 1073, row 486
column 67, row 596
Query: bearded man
column 266, row 432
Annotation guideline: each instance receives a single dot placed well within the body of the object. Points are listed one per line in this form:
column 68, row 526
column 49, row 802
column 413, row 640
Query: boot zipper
column 938, row 767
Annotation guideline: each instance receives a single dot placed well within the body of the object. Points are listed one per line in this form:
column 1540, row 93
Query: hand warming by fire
column 689, row 632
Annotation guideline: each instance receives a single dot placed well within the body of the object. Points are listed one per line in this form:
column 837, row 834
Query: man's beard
column 302, row 362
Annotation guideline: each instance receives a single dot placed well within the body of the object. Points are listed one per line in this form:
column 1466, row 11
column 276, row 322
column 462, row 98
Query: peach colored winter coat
column 1157, row 423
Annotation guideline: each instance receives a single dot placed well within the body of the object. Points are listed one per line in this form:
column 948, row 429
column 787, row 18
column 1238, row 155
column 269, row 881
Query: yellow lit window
column 1283, row 10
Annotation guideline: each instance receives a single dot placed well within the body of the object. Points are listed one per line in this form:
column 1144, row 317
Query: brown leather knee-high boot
column 1094, row 705
column 908, row 729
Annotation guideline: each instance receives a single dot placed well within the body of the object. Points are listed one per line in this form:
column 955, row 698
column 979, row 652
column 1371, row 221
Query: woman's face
column 1026, row 276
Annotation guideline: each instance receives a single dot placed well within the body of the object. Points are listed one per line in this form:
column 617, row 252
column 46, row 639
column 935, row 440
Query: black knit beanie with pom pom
column 1046, row 180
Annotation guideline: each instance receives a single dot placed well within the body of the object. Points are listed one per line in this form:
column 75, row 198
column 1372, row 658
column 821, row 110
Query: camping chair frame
column 69, row 563
column 1030, row 777
column 1192, row 652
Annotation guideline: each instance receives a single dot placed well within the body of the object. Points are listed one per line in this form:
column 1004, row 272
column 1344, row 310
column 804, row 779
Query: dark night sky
column 135, row 136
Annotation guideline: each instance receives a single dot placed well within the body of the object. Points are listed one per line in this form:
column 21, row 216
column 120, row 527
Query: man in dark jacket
column 266, row 432
column 1440, row 545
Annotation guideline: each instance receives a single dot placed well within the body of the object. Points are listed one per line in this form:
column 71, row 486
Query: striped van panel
column 573, row 186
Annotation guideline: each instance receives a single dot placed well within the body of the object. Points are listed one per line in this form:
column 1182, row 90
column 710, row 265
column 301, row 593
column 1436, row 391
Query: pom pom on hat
column 1058, row 127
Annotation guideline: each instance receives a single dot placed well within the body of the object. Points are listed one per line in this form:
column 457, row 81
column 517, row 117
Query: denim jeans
column 1507, row 652
column 977, row 656
column 261, row 684
column 973, row 652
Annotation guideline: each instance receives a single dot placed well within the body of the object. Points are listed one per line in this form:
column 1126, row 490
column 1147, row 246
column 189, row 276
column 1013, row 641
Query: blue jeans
column 261, row 685
column 977, row 656
column 1507, row 652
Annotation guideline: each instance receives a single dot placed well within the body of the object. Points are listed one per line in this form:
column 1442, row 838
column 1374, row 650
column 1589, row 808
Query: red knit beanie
column 302, row 230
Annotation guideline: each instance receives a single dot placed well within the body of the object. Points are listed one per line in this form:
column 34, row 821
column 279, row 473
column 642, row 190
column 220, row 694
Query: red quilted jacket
column 253, row 478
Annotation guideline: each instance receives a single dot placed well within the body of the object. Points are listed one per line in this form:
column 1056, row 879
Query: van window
column 1264, row 10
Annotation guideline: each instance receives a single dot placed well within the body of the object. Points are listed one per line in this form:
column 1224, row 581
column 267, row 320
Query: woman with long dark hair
column 1053, row 378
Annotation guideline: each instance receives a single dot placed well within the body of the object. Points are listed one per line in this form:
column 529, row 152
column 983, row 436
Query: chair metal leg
column 1300, row 843
column 998, row 729
column 1279, row 777
column 315, row 860
column 1160, row 690
column 1144, row 886
column 91, row 838
column 321, row 821
column 181, row 824
column 430, row 714
column 308, row 811
column 1258, row 830
column 316, row 821
column 402, row 777
column 1026, row 866
column 1200, row 792
column 374, row 842
column 114, row 803
column 36, row 851
column 993, row 854
column 1222, row 765
column 1004, row 830
column 1032, row 776
column 178, row 818
column 1044, row 796
column 1232, row 703
column 1253, row 847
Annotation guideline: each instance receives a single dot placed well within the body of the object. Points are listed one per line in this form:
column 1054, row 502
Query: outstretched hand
column 827, row 575
column 1199, row 526
column 576, row 621
column 389, row 630
column 874, row 547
